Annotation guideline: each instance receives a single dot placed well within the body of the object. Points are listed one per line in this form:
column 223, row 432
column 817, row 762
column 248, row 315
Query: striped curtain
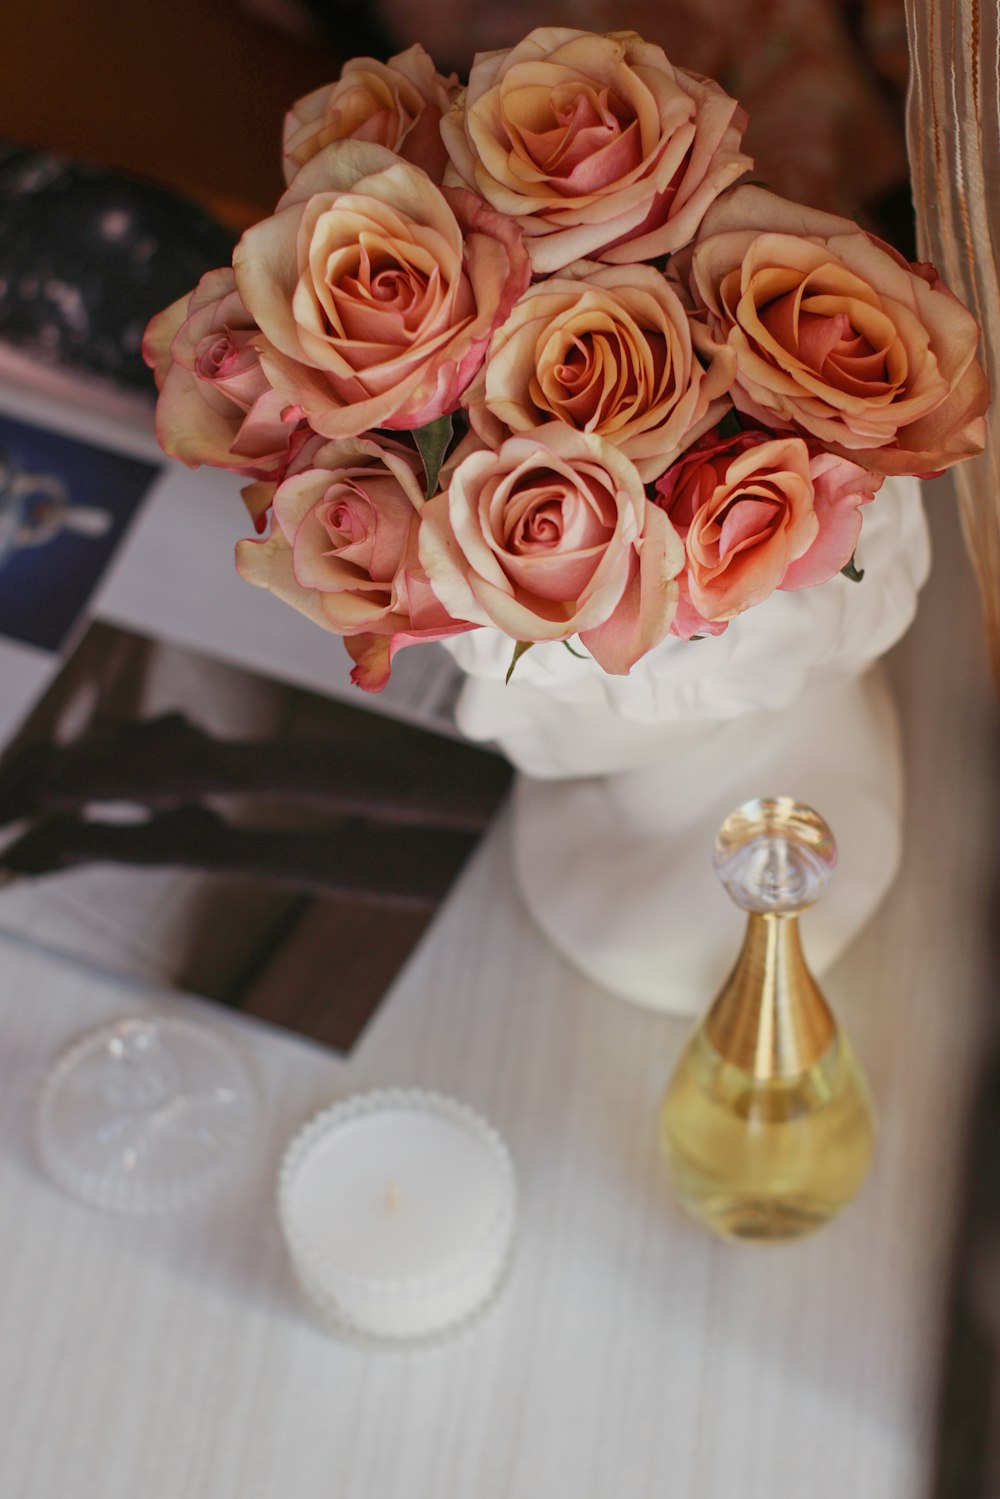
column 953, row 138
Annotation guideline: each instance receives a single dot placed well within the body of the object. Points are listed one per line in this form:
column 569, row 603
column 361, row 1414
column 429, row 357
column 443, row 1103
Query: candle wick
column 392, row 1195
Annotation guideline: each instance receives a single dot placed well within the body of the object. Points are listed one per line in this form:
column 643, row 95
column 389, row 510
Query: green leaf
column 578, row 654
column 730, row 425
column 853, row 572
column 519, row 649
column 432, row 444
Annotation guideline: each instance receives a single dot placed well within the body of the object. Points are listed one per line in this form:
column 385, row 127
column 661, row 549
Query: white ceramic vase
column 624, row 780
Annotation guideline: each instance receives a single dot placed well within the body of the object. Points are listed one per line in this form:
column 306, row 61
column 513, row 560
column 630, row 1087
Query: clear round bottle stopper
column 146, row 1115
column 775, row 855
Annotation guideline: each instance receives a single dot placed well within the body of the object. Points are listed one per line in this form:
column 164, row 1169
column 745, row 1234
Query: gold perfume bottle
column 767, row 1124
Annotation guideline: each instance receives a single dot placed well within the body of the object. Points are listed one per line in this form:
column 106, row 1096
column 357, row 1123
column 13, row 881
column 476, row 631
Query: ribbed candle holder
column 398, row 1208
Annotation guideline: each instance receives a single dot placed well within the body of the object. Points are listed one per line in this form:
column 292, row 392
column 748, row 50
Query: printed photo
column 65, row 506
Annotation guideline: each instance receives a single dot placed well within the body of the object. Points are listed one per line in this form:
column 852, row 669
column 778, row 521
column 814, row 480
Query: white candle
column 398, row 1209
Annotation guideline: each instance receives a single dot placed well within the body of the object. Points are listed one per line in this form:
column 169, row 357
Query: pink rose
column 605, row 349
column 835, row 334
column 551, row 536
column 596, row 145
column 215, row 405
column 343, row 551
column 397, row 104
column 758, row 513
column 376, row 292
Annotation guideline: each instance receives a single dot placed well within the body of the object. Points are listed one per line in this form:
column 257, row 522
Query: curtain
column 953, row 139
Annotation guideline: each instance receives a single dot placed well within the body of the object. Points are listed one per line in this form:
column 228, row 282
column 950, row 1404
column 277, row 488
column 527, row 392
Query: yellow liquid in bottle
column 767, row 1159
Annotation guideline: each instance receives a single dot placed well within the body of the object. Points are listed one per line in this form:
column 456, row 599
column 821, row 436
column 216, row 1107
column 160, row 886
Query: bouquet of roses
column 528, row 354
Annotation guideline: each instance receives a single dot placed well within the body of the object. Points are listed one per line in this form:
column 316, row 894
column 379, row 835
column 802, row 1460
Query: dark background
column 192, row 93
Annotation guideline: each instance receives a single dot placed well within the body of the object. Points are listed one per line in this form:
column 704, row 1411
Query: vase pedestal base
column 617, row 869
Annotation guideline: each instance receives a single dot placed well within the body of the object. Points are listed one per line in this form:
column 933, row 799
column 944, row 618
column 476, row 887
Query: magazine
column 193, row 793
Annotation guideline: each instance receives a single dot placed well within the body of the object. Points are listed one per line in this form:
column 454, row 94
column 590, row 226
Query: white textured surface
column 629, row 1356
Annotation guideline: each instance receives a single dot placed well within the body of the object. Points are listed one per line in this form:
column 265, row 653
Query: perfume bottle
column 767, row 1123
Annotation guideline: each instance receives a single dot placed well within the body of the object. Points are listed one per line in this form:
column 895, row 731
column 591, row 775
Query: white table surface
column 630, row 1355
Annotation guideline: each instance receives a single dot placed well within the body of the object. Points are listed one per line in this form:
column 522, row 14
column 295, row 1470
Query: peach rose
column 605, row 349
column 836, row 334
column 343, row 551
column 397, row 104
column 551, row 536
column 596, row 145
column 376, row 293
column 215, row 405
column 758, row 513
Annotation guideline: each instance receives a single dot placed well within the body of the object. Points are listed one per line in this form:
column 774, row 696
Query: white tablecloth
column 630, row 1355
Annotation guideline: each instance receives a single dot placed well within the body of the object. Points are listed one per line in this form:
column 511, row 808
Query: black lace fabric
column 87, row 256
